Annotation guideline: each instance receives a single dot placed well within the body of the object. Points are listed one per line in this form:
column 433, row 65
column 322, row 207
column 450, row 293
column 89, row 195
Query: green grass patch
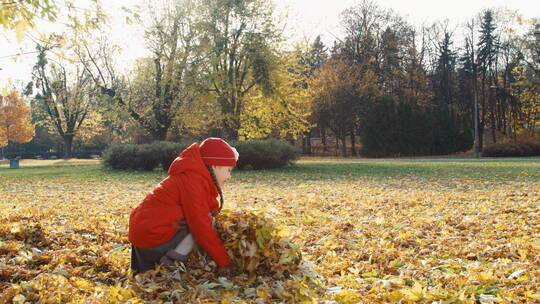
column 304, row 170
column 491, row 170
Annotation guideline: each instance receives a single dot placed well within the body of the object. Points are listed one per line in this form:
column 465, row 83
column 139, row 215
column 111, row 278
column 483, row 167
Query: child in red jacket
column 181, row 208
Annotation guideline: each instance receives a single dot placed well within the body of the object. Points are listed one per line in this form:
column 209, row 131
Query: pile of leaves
column 267, row 262
column 268, row 267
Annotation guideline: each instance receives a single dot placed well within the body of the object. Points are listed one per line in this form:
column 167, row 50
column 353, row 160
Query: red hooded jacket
column 187, row 193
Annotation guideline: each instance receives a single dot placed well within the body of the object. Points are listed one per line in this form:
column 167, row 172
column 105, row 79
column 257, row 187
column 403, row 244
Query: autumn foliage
column 15, row 123
column 364, row 232
column 268, row 266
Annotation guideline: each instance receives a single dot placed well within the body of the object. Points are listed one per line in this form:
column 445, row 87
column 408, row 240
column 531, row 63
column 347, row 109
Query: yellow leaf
column 20, row 28
column 523, row 279
column 415, row 293
column 487, row 277
column 395, row 296
column 15, row 229
column 81, row 284
column 533, row 295
column 354, row 270
column 523, row 253
column 263, row 293
column 370, row 274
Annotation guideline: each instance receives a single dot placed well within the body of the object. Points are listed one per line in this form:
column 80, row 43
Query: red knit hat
column 217, row 152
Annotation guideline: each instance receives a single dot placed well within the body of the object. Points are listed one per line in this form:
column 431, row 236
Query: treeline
column 223, row 68
column 411, row 92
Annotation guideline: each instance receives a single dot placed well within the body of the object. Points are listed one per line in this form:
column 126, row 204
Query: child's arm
column 196, row 211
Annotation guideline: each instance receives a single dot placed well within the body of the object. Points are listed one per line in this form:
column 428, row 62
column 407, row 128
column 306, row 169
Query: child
column 181, row 208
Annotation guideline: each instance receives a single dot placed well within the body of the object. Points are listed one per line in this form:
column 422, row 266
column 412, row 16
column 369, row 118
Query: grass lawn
column 374, row 232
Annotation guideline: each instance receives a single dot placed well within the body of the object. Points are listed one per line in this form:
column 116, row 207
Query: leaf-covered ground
column 367, row 232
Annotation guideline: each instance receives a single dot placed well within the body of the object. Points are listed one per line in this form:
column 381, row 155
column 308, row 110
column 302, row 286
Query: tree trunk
column 353, row 146
column 309, row 142
column 160, row 134
column 230, row 129
column 493, row 116
column 493, row 129
column 337, row 146
column 344, row 145
column 323, row 139
column 480, row 136
column 68, row 144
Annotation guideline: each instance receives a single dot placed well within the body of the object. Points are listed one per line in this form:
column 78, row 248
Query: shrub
column 535, row 148
column 145, row 158
column 167, row 151
column 254, row 154
column 509, row 149
column 265, row 154
column 119, row 156
column 142, row 157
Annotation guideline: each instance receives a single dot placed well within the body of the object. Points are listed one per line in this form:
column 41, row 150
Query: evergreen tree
column 444, row 73
column 486, row 59
column 488, row 44
column 392, row 129
column 315, row 57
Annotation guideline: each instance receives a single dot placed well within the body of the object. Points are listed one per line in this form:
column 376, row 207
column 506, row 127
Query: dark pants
column 144, row 259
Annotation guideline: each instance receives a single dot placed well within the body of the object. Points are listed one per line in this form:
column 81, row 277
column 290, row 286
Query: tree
column 285, row 111
column 396, row 129
column 378, row 39
column 341, row 93
column 380, row 42
column 416, row 88
column 527, row 93
column 464, row 81
column 15, row 118
column 18, row 15
column 363, row 25
column 375, row 45
column 486, row 59
column 525, row 84
column 241, row 38
column 162, row 82
column 65, row 94
column 314, row 57
column 311, row 60
column 449, row 133
column 444, row 73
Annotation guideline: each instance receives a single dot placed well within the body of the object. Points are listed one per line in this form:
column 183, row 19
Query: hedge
column 142, row 157
column 509, row 149
column 254, row 154
column 265, row 154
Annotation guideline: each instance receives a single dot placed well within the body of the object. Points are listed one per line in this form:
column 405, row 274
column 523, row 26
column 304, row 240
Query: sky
column 306, row 19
